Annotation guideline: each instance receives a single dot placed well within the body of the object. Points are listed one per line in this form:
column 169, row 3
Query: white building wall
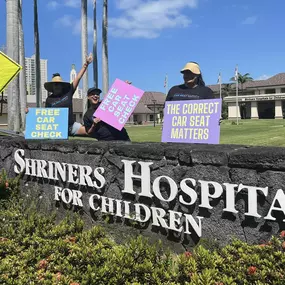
column 80, row 93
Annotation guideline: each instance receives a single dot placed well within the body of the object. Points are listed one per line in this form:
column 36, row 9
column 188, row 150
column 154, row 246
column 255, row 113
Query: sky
column 148, row 39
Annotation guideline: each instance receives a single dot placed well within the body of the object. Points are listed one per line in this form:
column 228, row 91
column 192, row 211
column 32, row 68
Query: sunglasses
column 93, row 94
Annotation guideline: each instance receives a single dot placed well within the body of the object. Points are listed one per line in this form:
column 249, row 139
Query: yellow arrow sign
column 9, row 69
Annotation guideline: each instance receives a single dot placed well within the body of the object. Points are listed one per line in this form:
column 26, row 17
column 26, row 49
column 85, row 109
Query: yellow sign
column 9, row 69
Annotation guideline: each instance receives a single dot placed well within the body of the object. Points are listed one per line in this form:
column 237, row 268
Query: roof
column 148, row 98
column 141, row 108
column 215, row 88
column 276, row 80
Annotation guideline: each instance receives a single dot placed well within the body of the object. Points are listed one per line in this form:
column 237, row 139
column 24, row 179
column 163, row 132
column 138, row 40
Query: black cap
column 94, row 89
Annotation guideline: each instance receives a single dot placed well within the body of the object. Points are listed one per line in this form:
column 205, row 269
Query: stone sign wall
column 174, row 192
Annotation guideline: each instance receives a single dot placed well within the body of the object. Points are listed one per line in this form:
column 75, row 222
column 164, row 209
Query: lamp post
column 154, row 114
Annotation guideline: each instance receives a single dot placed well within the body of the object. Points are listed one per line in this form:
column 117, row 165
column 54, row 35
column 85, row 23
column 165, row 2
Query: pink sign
column 119, row 103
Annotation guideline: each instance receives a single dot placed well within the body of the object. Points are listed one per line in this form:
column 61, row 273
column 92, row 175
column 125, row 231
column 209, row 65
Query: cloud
column 67, row 3
column 72, row 3
column 75, row 3
column 263, row 77
column 77, row 27
column 65, row 21
column 69, row 21
column 137, row 18
column 52, row 5
column 127, row 4
column 250, row 20
column 141, row 19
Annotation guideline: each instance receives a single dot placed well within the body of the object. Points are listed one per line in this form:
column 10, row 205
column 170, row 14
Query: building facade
column 149, row 109
column 31, row 78
column 78, row 91
column 258, row 99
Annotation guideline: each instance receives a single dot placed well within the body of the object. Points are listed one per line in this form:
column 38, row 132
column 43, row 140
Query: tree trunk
column 105, row 68
column 23, row 92
column 12, row 13
column 84, row 50
column 95, row 59
column 37, row 56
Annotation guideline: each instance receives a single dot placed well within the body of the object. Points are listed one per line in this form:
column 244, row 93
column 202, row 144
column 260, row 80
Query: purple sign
column 194, row 121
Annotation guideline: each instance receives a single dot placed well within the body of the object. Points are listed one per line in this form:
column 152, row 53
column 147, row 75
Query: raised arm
column 76, row 81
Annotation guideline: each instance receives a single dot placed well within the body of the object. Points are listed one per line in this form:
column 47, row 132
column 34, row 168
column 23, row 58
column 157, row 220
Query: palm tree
column 95, row 60
column 242, row 79
column 84, row 47
column 105, row 68
column 226, row 89
column 37, row 56
column 23, row 92
column 12, row 13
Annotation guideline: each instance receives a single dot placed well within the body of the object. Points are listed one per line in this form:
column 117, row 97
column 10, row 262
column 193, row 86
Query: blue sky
column 149, row 38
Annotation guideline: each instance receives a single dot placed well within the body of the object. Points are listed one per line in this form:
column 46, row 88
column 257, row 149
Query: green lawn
column 248, row 132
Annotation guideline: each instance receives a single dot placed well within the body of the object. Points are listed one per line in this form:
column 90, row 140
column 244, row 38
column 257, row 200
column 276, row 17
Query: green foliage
column 224, row 110
column 34, row 249
column 9, row 187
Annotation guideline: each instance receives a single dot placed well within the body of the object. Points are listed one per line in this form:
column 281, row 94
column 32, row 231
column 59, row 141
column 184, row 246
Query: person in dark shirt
column 193, row 88
column 62, row 95
column 95, row 127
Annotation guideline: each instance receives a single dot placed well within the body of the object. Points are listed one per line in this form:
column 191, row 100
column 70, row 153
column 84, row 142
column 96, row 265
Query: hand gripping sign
column 47, row 123
column 119, row 104
column 194, row 121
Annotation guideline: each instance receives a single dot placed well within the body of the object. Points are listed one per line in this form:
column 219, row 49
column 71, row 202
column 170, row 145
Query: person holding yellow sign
column 62, row 94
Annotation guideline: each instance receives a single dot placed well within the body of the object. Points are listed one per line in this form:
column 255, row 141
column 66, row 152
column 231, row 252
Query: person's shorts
column 72, row 130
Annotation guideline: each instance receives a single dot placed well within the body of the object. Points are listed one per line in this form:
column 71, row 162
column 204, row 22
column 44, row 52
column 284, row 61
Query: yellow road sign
column 9, row 69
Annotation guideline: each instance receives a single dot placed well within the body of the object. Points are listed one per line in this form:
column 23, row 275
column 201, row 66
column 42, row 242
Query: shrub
column 36, row 250
column 8, row 186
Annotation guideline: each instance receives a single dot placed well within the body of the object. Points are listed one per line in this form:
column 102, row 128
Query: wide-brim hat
column 193, row 67
column 94, row 89
column 56, row 79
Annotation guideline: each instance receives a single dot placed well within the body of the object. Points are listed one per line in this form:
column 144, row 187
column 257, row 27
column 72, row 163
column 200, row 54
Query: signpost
column 194, row 121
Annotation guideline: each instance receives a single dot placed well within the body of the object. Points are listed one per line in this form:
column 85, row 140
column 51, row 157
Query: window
column 249, row 93
column 151, row 118
column 282, row 90
column 270, row 91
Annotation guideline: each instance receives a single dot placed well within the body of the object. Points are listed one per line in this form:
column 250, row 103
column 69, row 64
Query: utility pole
column 154, row 112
